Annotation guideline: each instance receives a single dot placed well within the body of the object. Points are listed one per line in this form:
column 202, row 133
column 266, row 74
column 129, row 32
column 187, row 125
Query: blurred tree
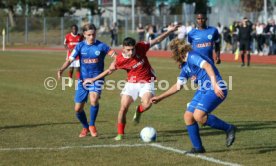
column 9, row 5
column 255, row 5
column 61, row 7
column 200, row 6
column 148, row 6
column 54, row 8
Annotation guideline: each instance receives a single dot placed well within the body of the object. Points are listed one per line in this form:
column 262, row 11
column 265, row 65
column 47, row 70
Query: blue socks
column 193, row 131
column 93, row 114
column 217, row 123
column 82, row 118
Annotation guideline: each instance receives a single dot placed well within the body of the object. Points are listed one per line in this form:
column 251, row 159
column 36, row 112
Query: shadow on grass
column 257, row 149
column 38, row 125
column 207, row 131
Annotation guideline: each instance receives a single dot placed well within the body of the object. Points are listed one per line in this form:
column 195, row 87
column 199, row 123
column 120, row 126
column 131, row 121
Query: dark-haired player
column 204, row 38
column 70, row 41
column 140, row 77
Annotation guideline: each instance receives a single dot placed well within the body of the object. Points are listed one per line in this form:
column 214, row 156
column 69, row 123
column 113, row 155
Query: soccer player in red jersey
column 71, row 40
column 141, row 77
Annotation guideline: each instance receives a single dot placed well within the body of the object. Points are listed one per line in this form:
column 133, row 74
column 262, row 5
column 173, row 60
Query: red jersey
column 71, row 41
column 138, row 67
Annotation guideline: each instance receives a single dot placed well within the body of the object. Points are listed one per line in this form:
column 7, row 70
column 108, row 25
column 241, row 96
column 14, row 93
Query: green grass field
column 43, row 121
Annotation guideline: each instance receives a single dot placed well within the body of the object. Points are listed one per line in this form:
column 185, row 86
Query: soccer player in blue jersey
column 91, row 53
column 204, row 38
column 212, row 91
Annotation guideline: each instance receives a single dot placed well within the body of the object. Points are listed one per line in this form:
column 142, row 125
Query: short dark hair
column 202, row 13
column 74, row 25
column 128, row 41
column 88, row 27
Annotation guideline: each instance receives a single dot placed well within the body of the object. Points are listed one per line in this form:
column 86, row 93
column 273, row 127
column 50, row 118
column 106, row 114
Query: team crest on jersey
column 97, row 53
column 210, row 37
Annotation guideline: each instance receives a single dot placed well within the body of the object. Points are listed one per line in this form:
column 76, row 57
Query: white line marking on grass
column 210, row 159
column 72, row 147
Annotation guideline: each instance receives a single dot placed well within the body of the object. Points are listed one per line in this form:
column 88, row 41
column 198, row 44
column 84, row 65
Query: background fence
column 51, row 31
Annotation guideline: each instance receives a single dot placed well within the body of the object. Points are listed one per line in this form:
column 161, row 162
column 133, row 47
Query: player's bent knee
column 94, row 103
column 78, row 109
column 200, row 119
column 188, row 118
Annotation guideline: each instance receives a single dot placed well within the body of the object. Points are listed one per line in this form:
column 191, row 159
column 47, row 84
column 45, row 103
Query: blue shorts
column 83, row 92
column 206, row 101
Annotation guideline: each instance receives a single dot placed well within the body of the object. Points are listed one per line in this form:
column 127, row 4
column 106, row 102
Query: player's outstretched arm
column 164, row 35
column 209, row 70
column 108, row 71
column 174, row 89
column 63, row 67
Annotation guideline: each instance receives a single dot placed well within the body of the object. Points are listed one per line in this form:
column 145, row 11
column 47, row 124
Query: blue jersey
column 91, row 58
column 203, row 40
column 193, row 68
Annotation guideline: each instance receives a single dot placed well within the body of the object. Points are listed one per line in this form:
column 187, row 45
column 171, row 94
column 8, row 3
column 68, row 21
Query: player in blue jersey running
column 91, row 53
column 211, row 92
column 204, row 38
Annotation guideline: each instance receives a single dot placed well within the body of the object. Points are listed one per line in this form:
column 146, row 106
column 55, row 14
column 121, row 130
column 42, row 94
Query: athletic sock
column 193, row 131
column 82, row 118
column 140, row 108
column 217, row 123
column 93, row 114
column 78, row 75
column 242, row 57
column 121, row 128
column 248, row 59
column 70, row 74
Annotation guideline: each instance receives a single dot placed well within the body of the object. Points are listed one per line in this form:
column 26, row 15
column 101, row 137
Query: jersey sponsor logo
column 138, row 64
column 73, row 43
column 202, row 45
column 209, row 37
column 90, row 61
column 83, row 53
column 97, row 53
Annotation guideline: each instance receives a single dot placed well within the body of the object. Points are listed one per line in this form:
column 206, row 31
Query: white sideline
column 210, row 159
column 73, row 147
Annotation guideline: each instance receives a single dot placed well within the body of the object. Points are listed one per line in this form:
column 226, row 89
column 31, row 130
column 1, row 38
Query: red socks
column 78, row 74
column 140, row 108
column 121, row 128
column 70, row 74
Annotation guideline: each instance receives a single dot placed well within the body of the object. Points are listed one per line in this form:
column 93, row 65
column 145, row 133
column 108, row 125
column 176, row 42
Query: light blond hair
column 179, row 50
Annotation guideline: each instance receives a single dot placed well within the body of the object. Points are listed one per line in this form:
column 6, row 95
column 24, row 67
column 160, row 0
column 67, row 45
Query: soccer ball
column 148, row 134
